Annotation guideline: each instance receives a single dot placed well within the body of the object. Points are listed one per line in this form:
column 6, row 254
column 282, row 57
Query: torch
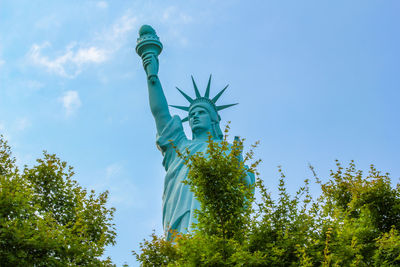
column 148, row 43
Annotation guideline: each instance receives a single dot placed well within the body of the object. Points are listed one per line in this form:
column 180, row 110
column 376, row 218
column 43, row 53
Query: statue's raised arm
column 148, row 48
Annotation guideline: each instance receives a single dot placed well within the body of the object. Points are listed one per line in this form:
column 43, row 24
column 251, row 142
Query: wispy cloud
column 33, row 85
column 14, row 127
column 113, row 171
column 4, row 132
column 22, row 123
column 174, row 15
column 48, row 22
column 115, row 36
column 71, row 62
column 175, row 18
column 10, row 133
column 102, row 4
column 123, row 192
column 71, row 102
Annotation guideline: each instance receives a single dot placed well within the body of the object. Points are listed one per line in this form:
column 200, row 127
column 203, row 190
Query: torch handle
column 151, row 65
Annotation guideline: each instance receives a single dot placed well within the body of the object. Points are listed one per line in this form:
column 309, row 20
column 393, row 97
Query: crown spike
column 195, row 88
column 215, row 99
column 188, row 98
column 207, row 94
column 225, row 106
column 180, row 107
column 185, row 119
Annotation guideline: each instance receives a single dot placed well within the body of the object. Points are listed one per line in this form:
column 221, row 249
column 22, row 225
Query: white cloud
column 48, row 22
column 71, row 62
column 113, row 170
column 175, row 19
column 102, row 4
column 77, row 55
column 22, row 123
column 32, row 84
column 71, row 102
column 91, row 54
column 4, row 132
column 118, row 31
column 173, row 15
column 15, row 127
column 123, row 192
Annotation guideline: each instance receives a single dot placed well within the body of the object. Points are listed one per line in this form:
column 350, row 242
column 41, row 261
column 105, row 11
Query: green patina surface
column 179, row 202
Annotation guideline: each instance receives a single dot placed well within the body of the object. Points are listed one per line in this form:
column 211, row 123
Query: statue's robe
column 179, row 202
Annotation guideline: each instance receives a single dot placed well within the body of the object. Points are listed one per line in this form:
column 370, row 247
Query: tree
column 47, row 219
column 354, row 222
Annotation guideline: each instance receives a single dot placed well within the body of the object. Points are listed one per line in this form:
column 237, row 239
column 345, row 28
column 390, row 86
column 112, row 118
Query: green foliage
column 47, row 219
column 160, row 252
column 354, row 222
column 388, row 252
column 219, row 183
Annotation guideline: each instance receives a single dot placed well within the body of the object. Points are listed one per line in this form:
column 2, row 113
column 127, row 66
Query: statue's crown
column 202, row 99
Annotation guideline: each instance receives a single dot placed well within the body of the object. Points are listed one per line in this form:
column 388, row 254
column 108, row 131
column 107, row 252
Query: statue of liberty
column 179, row 202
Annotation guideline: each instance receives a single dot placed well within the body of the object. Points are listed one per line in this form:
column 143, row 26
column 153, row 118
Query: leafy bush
column 354, row 222
column 47, row 219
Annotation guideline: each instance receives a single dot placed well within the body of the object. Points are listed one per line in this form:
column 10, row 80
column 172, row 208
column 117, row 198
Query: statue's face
column 199, row 119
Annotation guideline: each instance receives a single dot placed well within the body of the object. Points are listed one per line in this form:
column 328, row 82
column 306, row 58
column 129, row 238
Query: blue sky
column 316, row 81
